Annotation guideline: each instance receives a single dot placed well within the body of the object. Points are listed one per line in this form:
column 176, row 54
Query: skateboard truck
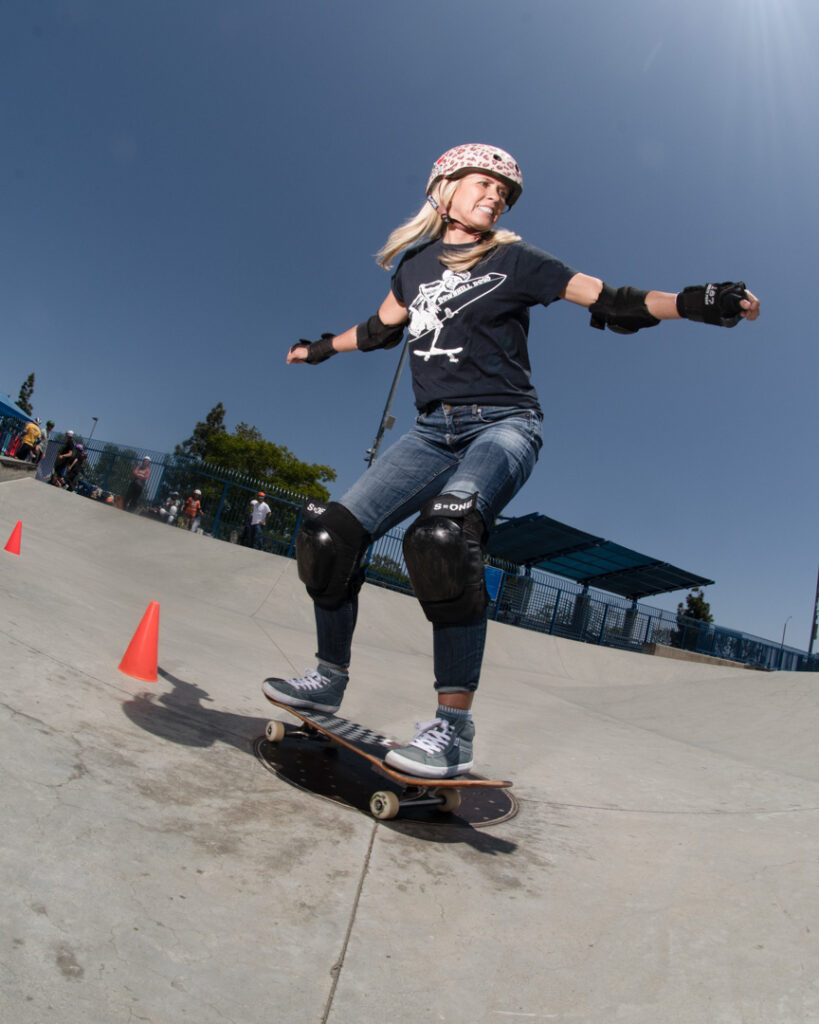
column 386, row 804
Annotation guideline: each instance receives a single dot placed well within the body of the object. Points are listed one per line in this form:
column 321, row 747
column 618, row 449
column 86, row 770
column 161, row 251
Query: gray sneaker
column 312, row 691
column 440, row 749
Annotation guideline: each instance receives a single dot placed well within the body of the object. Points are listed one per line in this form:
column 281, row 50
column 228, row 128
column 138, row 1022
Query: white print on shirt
column 439, row 301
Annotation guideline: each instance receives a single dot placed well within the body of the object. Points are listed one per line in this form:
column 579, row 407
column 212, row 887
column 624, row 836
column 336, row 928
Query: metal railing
column 11, row 430
column 531, row 600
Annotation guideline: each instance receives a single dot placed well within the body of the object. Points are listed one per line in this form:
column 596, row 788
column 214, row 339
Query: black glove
column 713, row 303
column 317, row 351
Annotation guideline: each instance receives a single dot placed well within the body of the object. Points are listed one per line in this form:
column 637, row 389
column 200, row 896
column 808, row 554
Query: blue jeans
column 452, row 449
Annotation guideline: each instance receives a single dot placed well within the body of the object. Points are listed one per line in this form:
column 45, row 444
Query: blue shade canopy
column 8, row 408
column 537, row 541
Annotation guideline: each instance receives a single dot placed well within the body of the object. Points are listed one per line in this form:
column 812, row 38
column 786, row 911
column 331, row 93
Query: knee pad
column 330, row 548
column 444, row 551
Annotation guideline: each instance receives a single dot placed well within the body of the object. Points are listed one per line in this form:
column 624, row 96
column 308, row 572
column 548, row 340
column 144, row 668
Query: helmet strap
column 451, row 220
column 478, row 234
column 459, row 224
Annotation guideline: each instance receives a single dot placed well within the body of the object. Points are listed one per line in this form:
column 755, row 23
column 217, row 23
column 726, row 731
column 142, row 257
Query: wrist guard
column 717, row 304
column 374, row 334
column 622, row 311
column 317, row 351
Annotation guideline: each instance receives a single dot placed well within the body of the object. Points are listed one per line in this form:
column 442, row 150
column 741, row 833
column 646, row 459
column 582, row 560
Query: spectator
column 31, row 437
column 258, row 518
column 169, row 509
column 246, row 540
column 42, row 444
column 137, row 485
column 64, row 457
column 193, row 510
column 74, row 468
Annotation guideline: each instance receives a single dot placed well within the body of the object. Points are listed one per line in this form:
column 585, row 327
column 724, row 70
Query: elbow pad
column 623, row 311
column 374, row 334
column 717, row 304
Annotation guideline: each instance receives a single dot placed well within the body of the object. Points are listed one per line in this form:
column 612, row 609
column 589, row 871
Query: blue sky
column 189, row 187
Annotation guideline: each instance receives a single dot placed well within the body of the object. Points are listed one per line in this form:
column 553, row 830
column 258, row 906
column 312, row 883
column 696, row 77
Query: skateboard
column 445, row 794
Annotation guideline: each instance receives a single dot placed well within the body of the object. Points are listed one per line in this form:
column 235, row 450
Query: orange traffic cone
column 140, row 660
column 13, row 543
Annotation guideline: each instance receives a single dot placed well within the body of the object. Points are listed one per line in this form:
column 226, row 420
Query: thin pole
column 814, row 624
column 372, row 453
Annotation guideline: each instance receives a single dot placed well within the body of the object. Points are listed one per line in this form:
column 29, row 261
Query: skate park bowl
column 659, row 864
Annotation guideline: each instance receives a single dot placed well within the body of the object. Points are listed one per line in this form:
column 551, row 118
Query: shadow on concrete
column 455, row 831
column 329, row 773
column 179, row 716
column 336, row 774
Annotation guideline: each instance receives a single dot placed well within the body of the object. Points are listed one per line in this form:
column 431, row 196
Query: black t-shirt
column 468, row 329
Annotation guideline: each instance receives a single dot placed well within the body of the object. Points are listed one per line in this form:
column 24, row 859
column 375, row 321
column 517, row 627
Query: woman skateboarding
column 464, row 289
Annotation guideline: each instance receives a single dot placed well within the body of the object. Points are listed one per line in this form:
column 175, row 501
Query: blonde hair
column 428, row 224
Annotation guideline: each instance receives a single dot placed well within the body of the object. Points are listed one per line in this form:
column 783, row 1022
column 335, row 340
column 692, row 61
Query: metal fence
column 225, row 499
column 526, row 599
column 557, row 607
column 11, row 430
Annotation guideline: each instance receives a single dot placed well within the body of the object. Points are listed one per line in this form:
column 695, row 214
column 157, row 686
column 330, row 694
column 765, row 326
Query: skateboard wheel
column 384, row 804
column 274, row 731
column 451, row 799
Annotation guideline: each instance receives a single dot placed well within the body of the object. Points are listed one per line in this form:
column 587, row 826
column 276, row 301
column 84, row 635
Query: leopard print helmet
column 466, row 159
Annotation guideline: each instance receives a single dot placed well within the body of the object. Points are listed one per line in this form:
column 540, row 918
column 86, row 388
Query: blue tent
column 8, row 408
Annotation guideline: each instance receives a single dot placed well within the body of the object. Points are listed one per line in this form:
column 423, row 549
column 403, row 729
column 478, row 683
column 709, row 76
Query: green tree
column 247, row 453
column 196, row 446
column 695, row 607
column 24, row 398
column 388, row 570
column 113, row 470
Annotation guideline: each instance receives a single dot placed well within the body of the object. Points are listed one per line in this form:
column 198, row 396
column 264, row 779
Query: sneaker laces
column 311, row 680
column 432, row 737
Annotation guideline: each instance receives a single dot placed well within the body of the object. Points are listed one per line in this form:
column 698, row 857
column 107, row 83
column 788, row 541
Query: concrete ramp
column 662, row 866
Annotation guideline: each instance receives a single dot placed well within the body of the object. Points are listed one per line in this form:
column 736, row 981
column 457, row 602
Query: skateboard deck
column 372, row 747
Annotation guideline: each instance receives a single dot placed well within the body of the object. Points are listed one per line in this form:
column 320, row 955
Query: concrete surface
column 662, row 867
column 13, row 469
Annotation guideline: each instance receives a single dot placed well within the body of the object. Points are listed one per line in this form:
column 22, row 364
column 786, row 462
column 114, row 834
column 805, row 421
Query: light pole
column 782, row 643
column 93, row 426
column 387, row 421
